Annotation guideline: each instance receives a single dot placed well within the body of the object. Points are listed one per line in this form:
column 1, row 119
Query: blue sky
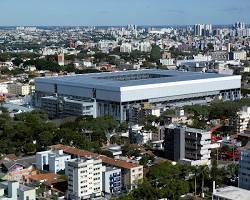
column 122, row 12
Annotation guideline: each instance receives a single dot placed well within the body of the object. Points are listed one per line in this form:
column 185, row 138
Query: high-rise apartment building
column 240, row 25
column 242, row 120
column 244, row 172
column 131, row 173
column 84, row 178
column 126, row 48
column 203, row 29
column 188, row 145
column 240, row 29
column 112, row 180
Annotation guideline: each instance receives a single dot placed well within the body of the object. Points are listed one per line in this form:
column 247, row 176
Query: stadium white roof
column 131, row 78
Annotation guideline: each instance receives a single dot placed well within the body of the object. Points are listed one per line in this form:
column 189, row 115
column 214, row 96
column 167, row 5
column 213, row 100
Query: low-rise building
column 167, row 62
column 139, row 135
column 53, row 161
column 65, row 107
column 7, row 64
column 17, row 169
column 115, row 150
column 230, row 193
column 179, row 117
column 3, row 88
column 26, row 193
column 16, row 191
column 19, row 89
column 143, row 110
column 237, row 55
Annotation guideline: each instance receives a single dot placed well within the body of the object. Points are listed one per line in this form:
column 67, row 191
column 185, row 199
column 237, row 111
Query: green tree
column 210, row 47
column 155, row 54
column 17, row 61
column 29, row 148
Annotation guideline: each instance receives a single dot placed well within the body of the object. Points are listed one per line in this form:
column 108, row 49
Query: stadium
column 114, row 93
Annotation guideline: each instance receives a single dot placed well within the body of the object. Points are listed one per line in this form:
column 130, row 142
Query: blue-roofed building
column 115, row 93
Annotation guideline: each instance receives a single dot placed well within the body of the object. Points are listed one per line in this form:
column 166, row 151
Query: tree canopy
column 30, row 132
column 155, row 54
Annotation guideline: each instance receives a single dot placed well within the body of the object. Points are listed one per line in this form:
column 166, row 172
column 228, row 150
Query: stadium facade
column 115, row 93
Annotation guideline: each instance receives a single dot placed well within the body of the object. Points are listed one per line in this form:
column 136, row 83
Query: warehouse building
column 115, row 93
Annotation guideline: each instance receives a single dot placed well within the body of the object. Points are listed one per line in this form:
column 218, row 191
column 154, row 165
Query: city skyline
column 117, row 12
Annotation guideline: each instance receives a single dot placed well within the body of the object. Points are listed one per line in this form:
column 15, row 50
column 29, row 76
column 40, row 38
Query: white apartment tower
column 202, row 29
column 242, row 122
column 126, row 48
column 84, row 178
column 240, row 25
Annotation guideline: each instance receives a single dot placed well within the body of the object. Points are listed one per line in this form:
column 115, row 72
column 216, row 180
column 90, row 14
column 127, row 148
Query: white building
column 116, row 151
column 230, row 193
column 116, row 92
column 54, row 161
column 244, row 172
column 7, row 64
column 132, row 173
column 139, row 135
column 3, row 88
column 167, row 62
column 145, row 47
column 84, row 178
column 196, row 59
column 112, row 182
column 126, row 48
column 16, row 191
column 237, row 55
column 87, row 63
column 202, row 29
column 199, row 154
column 107, row 45
column 242, row 122
column 24, row 193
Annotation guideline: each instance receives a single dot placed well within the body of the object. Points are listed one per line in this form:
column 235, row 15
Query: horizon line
column 138, row 25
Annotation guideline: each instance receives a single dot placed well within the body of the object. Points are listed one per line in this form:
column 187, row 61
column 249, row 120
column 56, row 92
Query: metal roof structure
column 136, row 85
column 144, row 77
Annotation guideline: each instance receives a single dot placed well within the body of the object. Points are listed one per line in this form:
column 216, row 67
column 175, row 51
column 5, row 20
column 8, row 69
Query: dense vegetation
column 216, row 110
column 30, row 132
column 17, row 56
column 165, row 180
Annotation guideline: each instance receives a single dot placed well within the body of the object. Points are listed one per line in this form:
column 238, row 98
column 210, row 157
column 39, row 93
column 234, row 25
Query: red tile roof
column 44, row 177
column 105, row 159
